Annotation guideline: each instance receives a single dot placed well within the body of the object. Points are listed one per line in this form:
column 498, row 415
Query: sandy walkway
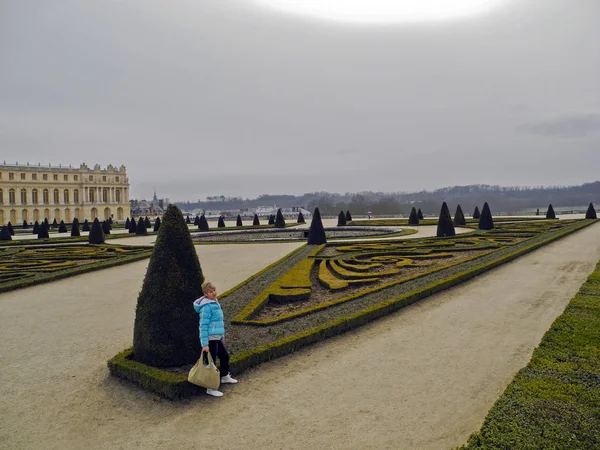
column 423, row 378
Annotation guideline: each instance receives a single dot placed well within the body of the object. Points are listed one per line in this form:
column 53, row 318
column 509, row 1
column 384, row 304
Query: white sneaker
column 214, row 393
column 227, row 379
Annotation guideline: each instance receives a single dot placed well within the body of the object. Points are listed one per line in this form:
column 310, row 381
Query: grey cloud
column 570, row 126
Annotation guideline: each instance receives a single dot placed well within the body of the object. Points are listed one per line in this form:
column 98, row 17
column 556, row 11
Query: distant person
column 212, row 332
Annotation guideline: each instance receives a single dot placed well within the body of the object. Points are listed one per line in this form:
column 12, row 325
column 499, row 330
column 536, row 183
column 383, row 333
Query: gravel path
column 424, row 377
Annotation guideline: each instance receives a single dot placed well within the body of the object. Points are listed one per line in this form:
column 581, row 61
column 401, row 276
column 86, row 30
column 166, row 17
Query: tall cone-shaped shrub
column 75, row 228
column 256, row 222
column 157, row 224
column 62, row 228
column 459, row 217
column 96, row 235
column 348, row 217
column 196, row 220
column 486, row 222
column 36, row 228
column 110, row 222
column 43, row 231
column 271, row 219
column 341, row 219
column 165, row 332
column 54, row 223
column 86, row 226
column 147, row 222
column 316, row 233
column 5, row 234
column 10, row 228
column 419, row 214
column 476, row 213
column 203, row 225
column 105, row 227
column 279, row 220
column 445, row 226
column 221, row 222
column 413, row 219
column 132, row 226
column 301, row 218
column 550, row 213
column 141, row 228
column 238, row 222
column 25, row 225
column 591, row 212
column 127, row 224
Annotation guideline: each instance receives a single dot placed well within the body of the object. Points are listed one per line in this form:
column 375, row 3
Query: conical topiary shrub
column 36, row 228
column 196, row 220
column 271, row 219
column 459, row 217
column 301, row 218
column 256, row 222
column 141, row 228
column 47, row 223
column 75, row 228
column 316, row 233
column 127, row 224
column 486, row 222
column 476, row 213
column 43, row 231
column 5, row 234
column 86, row 226
column 550, row 213
column 238, row 222
column 221, row 222
column 348, row 217
column 62, row 228
column 25, row 225
column 157, row 224
column 105, row 227
column 96, row 235
column 133, row 226
column 188, row 220
column 419, row 214
column 54, row 223
column 413, row 219
column 203, row 225
column 591, row 212
column 110, row 222
column 341, row 219
column 445, row 226
column 10, row 228
column 147, row 222
column 165, row 331
column 279, row 220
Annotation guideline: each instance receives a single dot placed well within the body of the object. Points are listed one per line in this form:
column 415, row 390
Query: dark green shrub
column 256, row 222
column 43, row 231
column 110, row 222
column 238, row 222
column 96, row 235
column 459, row 217
column 301, row 218
column 196, row 220
column 348, row 216
column 445, row 226
column 420, row 214
column 486, row 222
column 188, row 220
column 413, row 219
column 62, row 228
column 5, row 234
column 166, row 325
column 127, row 224
column 141, row 228
column 86, row 226
column 550, row 213
column 271, row 219
column 47, row 223
column 25, row 225
column 341, row 219
column 54, row 223
column 36, row 228
column 537, row 213
column 75, row 228
column 105, row 227
column 203, row 225
column 157, row 224
column 476, row 213
column 591, row 212
column 316, row 233
column 10, row 228
column 221, row 222
column 133, row 226
column 147, row 222
column 279, row 220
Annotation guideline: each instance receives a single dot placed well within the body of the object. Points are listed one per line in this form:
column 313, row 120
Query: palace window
column 34, row 196
column 45, row 196
column 23, row 196
column 56, row 199
column 105, row 195
column 55, row 177
column 45, row 177
column 34, row 176
column 1, row 197
column 75, row 177
column 11, row 176
column 91, row 177
column 117, row 179
column 22, row 176
column 11, row 196
column 76, row 195
column 118, row 195
column 66, row 196
column 103, row 177
column 66, row 177
column 92, row 195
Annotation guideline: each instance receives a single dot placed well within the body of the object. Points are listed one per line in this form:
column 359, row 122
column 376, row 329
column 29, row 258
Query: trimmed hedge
column 413, row 219
column 591, row 212
column 550, row 213
column 341, row 219
column 279, row 220
column 445, row 226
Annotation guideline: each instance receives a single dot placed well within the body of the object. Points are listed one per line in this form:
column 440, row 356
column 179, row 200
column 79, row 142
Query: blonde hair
column 208, row 286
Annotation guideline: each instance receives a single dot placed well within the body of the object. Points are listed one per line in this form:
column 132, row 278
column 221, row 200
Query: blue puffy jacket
column 211, row 320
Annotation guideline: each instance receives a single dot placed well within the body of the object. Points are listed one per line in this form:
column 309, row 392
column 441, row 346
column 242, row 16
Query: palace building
column 37, row 192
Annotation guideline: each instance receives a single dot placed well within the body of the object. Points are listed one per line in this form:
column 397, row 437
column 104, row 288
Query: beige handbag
column 207, row 376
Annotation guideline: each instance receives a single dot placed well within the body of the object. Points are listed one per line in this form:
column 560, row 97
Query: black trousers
column 217, row 350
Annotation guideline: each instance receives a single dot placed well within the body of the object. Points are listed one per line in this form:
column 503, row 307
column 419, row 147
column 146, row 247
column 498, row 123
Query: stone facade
column 36, row 192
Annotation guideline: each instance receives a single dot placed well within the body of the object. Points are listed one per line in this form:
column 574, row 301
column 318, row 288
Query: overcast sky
column 211, row 97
